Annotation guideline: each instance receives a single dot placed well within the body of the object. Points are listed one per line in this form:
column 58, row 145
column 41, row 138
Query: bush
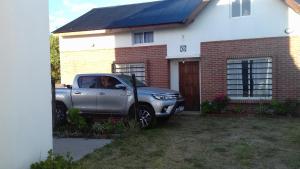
column 218, row 105
column 207, row 107
column 264, row 109
column 221, row 102
column 55, row 162
column 97, row 128
column 277, row 107
column 292, row 107
column 76, row 121
column 238, row 109
column 111, row 126
column 288, row 107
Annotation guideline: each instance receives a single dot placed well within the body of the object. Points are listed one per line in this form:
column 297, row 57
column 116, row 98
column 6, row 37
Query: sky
column 62, row 12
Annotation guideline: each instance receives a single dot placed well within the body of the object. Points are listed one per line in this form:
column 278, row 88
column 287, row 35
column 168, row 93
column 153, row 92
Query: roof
column 294, row 4
column 134, row 15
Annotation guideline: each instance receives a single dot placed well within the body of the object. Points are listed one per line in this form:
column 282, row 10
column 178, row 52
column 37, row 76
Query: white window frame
column 249, row 97
column 241, row 9
column 143, row 41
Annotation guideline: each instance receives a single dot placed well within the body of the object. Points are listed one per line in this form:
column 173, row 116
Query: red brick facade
column 285, row 54
column 154, row 57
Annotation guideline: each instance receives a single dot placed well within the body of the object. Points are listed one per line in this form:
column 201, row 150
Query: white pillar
column 25, row 93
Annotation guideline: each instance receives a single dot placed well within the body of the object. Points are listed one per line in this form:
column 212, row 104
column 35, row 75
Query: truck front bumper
column 167, row 108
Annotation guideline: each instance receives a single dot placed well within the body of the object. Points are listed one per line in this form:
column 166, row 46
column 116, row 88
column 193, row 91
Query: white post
column 25, row 91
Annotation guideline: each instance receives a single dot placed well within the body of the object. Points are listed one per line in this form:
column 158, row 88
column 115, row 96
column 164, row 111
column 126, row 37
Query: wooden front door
column 189, row 84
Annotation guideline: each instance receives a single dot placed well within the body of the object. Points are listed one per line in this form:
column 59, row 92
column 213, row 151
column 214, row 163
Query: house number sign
column 183, row 48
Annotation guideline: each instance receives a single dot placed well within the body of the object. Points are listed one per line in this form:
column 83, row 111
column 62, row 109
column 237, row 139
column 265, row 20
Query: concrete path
column 78, row 148
column 190, row 113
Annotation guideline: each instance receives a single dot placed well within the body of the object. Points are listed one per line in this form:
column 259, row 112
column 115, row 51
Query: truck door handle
column 101, row 93
column 77, row 92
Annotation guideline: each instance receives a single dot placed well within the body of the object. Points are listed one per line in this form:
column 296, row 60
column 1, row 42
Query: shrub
column 132, row 126
column 264, row 109
column 207, row 107
column 110, row 126
column 292, row 107
column 97, row 128
column 277, row 107
column 288, row 107
column 239, row 109
column 218, row 105
column 55, row 161
column 76, row 120
column 113, row 126
column 221, row 102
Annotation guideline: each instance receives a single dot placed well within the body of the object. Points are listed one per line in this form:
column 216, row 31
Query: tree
column 54, row 58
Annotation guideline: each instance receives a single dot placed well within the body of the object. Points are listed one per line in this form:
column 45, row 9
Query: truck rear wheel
column 61, row 114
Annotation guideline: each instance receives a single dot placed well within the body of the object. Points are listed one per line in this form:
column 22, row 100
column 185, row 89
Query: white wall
column 25, row 114
column 294, row 23
column 269, row 18
column 174, row 71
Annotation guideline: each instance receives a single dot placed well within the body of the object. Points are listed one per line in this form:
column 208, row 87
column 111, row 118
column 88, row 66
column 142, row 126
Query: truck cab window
column 87, row 82
column 107, row 82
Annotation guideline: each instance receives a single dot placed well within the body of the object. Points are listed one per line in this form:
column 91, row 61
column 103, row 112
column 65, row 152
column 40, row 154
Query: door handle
column 101, row 93
column 77, row 92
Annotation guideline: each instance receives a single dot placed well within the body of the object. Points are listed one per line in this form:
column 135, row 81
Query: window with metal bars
column 133, row 68
column 249, row 78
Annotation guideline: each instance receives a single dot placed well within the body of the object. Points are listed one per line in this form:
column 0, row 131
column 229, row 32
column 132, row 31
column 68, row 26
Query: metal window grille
column 128, row 69
column 251, row 78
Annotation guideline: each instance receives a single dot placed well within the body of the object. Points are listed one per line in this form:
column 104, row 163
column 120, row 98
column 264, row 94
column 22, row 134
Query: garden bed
column 77, row 126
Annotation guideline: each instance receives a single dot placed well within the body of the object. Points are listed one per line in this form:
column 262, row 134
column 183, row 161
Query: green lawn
column 188, row 142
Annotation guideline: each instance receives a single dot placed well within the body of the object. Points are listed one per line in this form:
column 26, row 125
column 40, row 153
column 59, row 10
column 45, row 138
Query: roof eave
column 119, row 30
column 293, row 4
column 196, row 12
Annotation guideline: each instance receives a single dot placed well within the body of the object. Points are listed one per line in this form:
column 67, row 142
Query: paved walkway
column 190, row 113
column 78, row 148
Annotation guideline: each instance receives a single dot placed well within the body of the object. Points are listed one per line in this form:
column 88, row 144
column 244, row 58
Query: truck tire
column 146, row 116
column 61, row 114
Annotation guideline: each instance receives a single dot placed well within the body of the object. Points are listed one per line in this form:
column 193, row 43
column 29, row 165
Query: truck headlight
column 163, row 97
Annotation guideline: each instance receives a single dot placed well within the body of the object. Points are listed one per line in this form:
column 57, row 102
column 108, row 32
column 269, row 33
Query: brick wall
column 154, row 57
column 284, row 51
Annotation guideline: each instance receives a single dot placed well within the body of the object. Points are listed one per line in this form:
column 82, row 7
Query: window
column 251, row 78
column 143, row 37
column 107, row 82
column 240, row 8
column 87, row 82
column 127, row 69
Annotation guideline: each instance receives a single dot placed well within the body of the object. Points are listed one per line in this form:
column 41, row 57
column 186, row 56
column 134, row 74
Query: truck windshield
column 128, row 80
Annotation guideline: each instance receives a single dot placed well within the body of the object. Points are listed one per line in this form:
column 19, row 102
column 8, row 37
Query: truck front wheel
column 146, row 116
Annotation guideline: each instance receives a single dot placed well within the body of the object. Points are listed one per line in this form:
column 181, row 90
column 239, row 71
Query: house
column 247, row 49
column 25, row 117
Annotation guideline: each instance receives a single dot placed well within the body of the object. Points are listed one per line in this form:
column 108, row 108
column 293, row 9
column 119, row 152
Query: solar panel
column 134, row 15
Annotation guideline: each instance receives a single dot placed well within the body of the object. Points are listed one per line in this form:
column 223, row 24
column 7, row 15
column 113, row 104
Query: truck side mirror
column 120, row 86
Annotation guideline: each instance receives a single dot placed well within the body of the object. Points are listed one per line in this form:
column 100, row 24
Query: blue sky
column 64, row 11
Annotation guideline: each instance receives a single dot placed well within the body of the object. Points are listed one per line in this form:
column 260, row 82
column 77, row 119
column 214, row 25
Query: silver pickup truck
column 112, row 94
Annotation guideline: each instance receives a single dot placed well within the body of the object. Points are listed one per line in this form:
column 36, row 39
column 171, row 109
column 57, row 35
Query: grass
column 188, row 142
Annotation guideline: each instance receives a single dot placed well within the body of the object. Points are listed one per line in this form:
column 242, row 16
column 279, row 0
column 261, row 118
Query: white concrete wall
column 174, row 71
column 269, row 18
column 25, row 102
column 294, row 23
